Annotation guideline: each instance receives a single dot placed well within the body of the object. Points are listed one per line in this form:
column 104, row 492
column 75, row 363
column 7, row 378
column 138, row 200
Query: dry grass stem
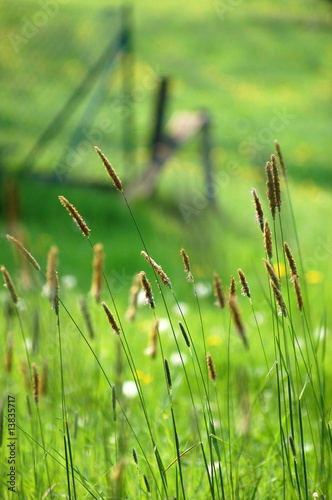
column 110, row 170
column 211, row 368
column 8, row 283
column 259, row 210
column 218, row 291
column 244, row 283
column 24, row 251
column 75, row 215
column 147, row 289
column 111, row 319
column 270, row 189
column 268, row 240
column 238, row 321
column 97, row 272
column 158, row 269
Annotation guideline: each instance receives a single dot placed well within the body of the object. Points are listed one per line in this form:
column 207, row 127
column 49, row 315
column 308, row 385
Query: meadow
column 174, row 396
column 212, row 393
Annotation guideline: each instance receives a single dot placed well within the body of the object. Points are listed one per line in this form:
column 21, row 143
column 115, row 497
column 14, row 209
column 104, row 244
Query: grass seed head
column 75, row 215
column 110, row 170
column 270, row 189
column 271, row 272
column 276, row 182
column 111, row 319
column 280, row 158
column 218, row 291
column 211, row 367
column 35, row 383
column 279, row 298
column 24, row 252
column 238, row 321
column 258, row 209
column 186, row 265
column 184, row 334
column 133, row 297
column 268, row 240
column 147, row 289
column 291, row 261
column 232, row 288
column 158, row 269
column 8, row 283
column 244, row 283
column 97, row 272
column 168, row 375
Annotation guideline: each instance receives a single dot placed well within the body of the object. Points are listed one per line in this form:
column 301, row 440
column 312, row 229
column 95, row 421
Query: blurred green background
column 263, row 71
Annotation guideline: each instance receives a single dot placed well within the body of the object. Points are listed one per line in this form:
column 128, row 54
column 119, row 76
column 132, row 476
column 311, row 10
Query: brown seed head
column 75, row 215
column 259, row 210
column 110, row 170
column 147, row 289
column 86, row 316
column 244, row 283
column 211, row 368
column 279, row 299
column 158, row 269
column 151, row 350
column 52, row 280
column 238, row 321
column 218, row 291
column 9, row 353
column 280, row 158
column 268, row 240
column 298, row 293
column 186, row 264
column 272, row 273
column 111, row 319
column 24, row 252
column 276, row 182
column 35, row 383
column 133, row 297
column 97, row 271
column 291, row 261
column 232, row 288
column 270, row 189
column 8, row 283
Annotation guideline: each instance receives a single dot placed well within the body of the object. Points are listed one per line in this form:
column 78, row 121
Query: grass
column 266, row 423
column 259, row 429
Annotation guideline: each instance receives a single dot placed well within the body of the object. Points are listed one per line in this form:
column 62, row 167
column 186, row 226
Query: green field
column 262, row 429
